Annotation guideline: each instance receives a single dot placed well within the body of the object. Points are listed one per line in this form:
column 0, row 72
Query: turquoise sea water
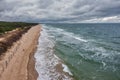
column 91, row 51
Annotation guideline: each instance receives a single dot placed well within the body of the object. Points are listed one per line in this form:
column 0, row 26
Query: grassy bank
column 8, row 26
column 11, row 37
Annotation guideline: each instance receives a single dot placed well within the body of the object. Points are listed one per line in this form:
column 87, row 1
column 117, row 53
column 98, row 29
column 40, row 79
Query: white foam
column 61, row 31
column 56, row 57
column 46, row 60
column 66, row 69
column 104, row 64
column 80, row 39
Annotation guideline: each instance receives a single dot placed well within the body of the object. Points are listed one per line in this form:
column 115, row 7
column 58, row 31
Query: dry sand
column 18, row 63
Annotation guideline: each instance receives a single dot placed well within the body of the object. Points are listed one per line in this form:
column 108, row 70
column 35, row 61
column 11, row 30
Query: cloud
column 112, row 19
column 60, row 10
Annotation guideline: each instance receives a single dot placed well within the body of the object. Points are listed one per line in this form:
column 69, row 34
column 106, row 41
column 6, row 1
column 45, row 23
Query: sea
column 90, row 51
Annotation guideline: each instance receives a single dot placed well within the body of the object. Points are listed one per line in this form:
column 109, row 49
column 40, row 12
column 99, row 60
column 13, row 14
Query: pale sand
column 18, row 63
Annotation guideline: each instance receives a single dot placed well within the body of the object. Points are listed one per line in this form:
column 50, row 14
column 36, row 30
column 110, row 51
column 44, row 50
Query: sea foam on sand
column 46, row 60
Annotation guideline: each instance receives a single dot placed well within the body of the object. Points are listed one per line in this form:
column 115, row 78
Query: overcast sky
column 74, row 11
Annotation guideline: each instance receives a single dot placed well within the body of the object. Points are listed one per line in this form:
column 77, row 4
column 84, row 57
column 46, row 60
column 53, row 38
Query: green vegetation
column 8, row 26
column 14, row 36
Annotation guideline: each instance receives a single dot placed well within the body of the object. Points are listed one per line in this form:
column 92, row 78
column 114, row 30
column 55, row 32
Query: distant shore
column 18, row 62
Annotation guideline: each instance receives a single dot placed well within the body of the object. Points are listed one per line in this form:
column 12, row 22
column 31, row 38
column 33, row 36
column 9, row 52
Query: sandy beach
column 18, row 62
column 48, row 65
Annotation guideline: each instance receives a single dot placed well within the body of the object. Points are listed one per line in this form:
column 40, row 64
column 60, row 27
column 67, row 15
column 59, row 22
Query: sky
column 60, row 11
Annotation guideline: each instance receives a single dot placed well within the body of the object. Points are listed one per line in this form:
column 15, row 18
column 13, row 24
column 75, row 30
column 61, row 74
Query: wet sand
column 18, row 62
column 48, row 65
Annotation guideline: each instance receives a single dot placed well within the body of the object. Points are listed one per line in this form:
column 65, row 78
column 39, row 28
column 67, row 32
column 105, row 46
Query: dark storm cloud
column 60, row 10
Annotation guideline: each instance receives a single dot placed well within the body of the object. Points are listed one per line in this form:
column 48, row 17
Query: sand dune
column 18, row 63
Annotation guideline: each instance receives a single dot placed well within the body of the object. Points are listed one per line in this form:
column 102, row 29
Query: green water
column 91, row 51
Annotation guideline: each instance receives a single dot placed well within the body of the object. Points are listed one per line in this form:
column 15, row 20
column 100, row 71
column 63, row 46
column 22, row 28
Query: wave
column 66, row 69
column 91, row 50
column 101, row 53
column 60, row 31
column 46, row 60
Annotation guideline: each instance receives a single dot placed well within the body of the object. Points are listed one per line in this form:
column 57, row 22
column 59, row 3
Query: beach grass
column 11, row 37
column 8, row 26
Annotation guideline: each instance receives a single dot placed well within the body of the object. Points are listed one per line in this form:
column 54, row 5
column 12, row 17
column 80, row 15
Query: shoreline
column 18, row 62
column 32, row 73
column 48, row 65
